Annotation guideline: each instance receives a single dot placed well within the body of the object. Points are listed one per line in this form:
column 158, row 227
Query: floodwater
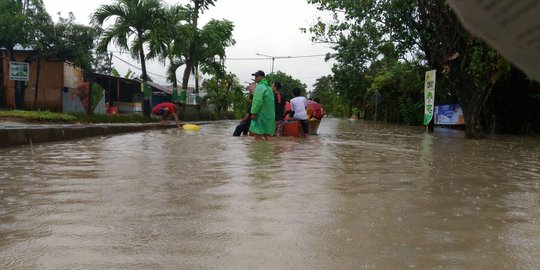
column 358, row 196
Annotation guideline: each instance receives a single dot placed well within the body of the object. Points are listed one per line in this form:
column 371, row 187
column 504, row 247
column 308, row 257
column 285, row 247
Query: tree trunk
column 19, row 88
column 187, row 73
column 2, row 102
column 19, row 95
column 37, row 84
column 147, row 90
column 472, row 100
column 473, row 127
column 197, row 79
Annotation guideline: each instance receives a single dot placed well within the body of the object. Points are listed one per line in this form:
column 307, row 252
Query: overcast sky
column 269, row 27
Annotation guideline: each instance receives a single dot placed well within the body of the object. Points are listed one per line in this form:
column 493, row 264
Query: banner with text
column 449, row 115
column 429, row 94
column 19, row 71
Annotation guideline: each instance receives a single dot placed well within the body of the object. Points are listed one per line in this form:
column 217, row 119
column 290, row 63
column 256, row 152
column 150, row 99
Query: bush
column 192, row 114
column 48, row 116
column 38, row 116
column 410, row 111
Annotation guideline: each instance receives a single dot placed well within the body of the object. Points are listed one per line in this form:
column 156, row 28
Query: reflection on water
column 358, row 196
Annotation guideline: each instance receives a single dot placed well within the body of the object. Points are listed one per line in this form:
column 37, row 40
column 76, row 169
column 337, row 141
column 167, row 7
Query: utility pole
column 273, row 59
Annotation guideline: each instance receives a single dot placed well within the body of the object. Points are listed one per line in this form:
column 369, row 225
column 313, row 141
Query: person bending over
column 166, row 109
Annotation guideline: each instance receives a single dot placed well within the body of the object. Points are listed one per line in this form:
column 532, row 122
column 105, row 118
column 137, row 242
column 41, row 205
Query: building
column 40, row 92
column 60, row 87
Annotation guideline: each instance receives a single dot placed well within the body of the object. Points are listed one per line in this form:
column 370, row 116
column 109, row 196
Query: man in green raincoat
column 263, row 116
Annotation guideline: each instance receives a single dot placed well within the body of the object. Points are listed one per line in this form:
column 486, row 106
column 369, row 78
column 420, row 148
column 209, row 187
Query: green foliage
column 355, row 111
column 377, row 42
column 486, row 62
column 68, row 41
column 223, row 92
column 102, row 63
column 288, row 83
column 214, row 38
column 324, row 90
column 206, row 44
column 340, row 110
column 13, row 23
column 48, row 116
column 192, row 114
column 411, row 111
column 132, row 19
column 27, row 23
column 38, row 116
column 170, row 38
column 96, row 95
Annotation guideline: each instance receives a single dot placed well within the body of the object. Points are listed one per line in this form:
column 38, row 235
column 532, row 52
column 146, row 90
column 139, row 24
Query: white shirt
column 298, row 105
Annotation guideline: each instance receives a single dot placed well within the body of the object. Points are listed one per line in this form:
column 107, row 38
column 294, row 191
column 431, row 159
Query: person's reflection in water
column 262, row 157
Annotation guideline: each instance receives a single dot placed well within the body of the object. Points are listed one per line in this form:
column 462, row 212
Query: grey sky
column 270, row 27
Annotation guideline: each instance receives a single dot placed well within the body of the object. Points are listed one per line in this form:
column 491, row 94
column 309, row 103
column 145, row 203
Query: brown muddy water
column 358, row 196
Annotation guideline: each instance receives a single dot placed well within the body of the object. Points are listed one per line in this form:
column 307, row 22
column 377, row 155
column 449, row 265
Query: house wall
column 51, row 82
column 54, row 79
column 86, row 97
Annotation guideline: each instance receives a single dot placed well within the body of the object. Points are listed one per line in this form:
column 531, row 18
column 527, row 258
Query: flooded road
column 358, row 196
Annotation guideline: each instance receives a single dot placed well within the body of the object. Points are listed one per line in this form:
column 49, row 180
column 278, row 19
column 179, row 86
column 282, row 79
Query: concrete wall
column 12, row 136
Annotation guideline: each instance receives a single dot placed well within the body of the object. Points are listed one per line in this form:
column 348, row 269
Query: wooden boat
column 294, row 128
column 313, row 126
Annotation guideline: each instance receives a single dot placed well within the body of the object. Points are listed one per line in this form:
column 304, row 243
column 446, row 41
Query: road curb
column 22, row 135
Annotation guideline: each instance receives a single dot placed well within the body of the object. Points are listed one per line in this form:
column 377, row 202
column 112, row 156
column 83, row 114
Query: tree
column 65, row 41
column 68, row 41
column 324, row 90
column 171, row 38
column 288, row 83
column 223, row 91
column 513, row 105
column 26, row 23
column 423, row 29
column 133, row 19
column 18, row 24
column 214, row 38
column 400, row 85
column 102, row 63
column 192, row 59
column 130, row 74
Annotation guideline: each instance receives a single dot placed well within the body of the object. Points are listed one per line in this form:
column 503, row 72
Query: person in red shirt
column 288, row 110
column 165, row 109
column 315, row 110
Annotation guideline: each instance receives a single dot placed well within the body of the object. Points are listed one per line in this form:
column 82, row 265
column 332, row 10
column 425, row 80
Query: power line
column 277, row 57
column 252, row 58
column 230, row 59
column 137, row 67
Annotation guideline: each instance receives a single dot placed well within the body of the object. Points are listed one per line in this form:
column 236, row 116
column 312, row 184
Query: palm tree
column 192, row 59
column 171, row 38
column 214, row 38
column 132, row 18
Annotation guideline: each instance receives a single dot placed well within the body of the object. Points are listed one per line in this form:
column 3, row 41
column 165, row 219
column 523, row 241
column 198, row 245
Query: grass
column 48, row 116
column 39, row 116
column 191, row 114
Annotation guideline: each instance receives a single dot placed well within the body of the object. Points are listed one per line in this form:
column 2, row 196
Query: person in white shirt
column 298, row 106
